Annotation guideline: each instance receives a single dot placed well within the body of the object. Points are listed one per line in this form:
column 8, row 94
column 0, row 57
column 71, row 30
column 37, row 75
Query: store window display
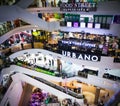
column 40, row 98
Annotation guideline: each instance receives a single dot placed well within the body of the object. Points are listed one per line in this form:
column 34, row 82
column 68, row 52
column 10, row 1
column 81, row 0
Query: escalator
column 50, row 87
column 23, row 4
column 68, row 92
column 16, row 12
column 7, row 35
column 46, row 86
column 114, row 100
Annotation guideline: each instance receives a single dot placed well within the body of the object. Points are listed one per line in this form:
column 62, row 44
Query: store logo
column 81, row 56
column 78, row 6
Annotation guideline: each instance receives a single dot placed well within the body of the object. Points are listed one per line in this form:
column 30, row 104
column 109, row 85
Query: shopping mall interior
column 60, row 53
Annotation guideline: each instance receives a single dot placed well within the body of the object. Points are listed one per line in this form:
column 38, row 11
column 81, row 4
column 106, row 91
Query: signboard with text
column 84, row 7
column 80, row 56
column 116, row 19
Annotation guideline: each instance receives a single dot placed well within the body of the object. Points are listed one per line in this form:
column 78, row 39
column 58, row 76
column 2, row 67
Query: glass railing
column 57, row 3
column 45, row 3
column 62, row 89
column 109, row 51
column 8, row 2
column 7, row 49
column 4, row 88
column 8, row 26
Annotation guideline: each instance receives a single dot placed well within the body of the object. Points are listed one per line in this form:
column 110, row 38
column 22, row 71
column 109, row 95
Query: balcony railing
column 8, row 26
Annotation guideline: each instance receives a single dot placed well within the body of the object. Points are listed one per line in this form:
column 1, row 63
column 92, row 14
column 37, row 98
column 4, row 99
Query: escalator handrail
column 69, row 92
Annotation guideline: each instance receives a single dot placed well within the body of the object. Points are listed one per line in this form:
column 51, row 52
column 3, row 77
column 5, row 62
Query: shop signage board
column 81, row 56
column 84, row 7
column 116, row 19
column 81, row 43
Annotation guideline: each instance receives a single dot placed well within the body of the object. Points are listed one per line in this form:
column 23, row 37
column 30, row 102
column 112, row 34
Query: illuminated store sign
column 82, row 24
column 84, row 44
column 90, row 25
column 97, row 25
column 75, row 24
column 116, row 19
column 78, row 6
column 69, row 24
column 81, row 56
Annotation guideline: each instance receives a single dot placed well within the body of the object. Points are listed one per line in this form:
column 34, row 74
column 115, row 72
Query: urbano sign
column 81, row 56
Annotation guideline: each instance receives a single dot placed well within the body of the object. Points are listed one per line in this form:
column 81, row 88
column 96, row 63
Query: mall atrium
column 60, row 53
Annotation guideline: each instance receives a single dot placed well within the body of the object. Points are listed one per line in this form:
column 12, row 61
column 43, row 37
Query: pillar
column 59, row 66
column 32, row 40
column 97, row 93
column 54, row 3
column 39, row 3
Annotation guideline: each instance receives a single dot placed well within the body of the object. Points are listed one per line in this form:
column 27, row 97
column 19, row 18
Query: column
column 59, row 66
column 39, row 3
column 32, row 40
column 54, row 3
column 97, row 93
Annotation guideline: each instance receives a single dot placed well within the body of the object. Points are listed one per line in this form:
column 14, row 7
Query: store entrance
column 92, row 94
